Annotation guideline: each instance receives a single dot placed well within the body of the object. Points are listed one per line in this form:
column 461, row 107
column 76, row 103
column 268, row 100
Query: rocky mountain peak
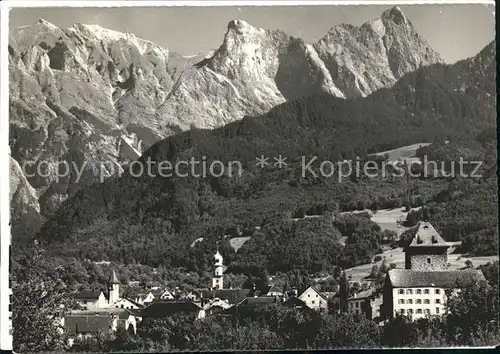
column 375, row 55
column 395, row 15
column 97, row 94
column 240, row 26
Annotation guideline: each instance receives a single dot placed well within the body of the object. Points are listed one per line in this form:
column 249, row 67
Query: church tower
column 113, row 288
column 217, row 280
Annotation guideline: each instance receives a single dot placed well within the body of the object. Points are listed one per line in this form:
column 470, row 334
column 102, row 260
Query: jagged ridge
column 93, row 95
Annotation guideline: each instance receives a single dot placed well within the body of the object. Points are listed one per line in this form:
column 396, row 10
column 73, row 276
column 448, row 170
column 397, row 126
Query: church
column 95, row 300
column 419, row 290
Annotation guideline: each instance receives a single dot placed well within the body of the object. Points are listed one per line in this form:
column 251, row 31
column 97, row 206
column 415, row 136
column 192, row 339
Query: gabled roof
column 407, row 278
column 157, row 293
column 166, row 291
column 316, row 289
column 362, row 294
column 295, row 302
column 87, row 323
column 110, row 311
column 275, row 288
column 162, row 308
column 233, row 296
column 87, row 295
column 258, row 301
column 131, row 301
column 218, row 303
column 427, row 236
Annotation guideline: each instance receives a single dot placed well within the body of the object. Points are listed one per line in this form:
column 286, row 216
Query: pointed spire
column 114, row 279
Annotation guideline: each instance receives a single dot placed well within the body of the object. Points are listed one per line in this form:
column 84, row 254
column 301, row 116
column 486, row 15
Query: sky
column 455, row 31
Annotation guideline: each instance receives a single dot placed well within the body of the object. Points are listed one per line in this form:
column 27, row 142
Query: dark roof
column 87, row 294
column 407, row 278
column 258, row 301
column 275, row 288
column 113, row 279
column 87, row 323
column 135, row 303
column 295, row 302
column 263, row 290
column 317, row 289
column 132, row 302
column 137, row 293
column 111, row 311
column 233, row 296
column 161, row 308
column 363, row 294
column 427, row 236
column 157, row 293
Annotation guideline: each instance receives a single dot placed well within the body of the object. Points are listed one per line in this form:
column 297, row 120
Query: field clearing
column 388, row 219
column 391, row 219
column 403, row 153
column 237, row 242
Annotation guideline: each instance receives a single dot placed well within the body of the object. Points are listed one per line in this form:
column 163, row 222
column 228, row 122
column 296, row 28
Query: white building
column 217, row 279
column 91, row 300
column 423, row 294
column 314, row 299
column 420, row 290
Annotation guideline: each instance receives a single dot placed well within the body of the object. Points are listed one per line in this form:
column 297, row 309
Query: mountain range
column 153, row 220
column 91, row 97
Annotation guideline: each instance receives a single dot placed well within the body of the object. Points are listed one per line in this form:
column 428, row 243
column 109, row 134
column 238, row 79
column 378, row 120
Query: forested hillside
column 154, row 220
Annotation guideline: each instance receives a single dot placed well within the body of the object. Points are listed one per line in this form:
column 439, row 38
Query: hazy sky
column 455, row 31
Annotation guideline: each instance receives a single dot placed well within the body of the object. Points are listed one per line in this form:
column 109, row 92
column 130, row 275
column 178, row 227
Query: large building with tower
column 420, row 289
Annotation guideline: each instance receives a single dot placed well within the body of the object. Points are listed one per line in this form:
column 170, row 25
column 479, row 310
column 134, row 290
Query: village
column 417, row 291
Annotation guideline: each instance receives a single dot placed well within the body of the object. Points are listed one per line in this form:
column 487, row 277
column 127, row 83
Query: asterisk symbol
column 280, row 161
column 262, row 161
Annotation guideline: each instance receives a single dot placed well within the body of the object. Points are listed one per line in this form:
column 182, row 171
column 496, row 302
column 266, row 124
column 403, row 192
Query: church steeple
column 113, row 279
column 113, row 288
column 217, row 279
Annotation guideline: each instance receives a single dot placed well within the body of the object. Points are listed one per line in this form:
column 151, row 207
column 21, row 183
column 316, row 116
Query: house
column 366, row 303
column 127, row 304
column 196, row 295
column 232, row 296
column 418, row 294
column 166, row 295
column 275, row 291
column 166, row 308
column 80, row 324
column 297, row 304
column 141, row 298
column 90, row 300
column 419, row 290
column 314, row 299
column 216, row 306
column 248, row 305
